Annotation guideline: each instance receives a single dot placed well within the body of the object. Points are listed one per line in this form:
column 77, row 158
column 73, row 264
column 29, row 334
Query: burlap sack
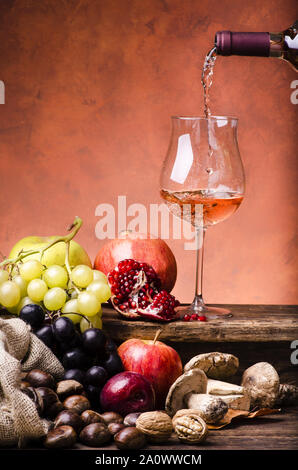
column 20, row 350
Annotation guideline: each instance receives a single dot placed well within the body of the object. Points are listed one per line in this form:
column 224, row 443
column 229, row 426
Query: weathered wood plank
column 256, row 323
column 278, row 432
column 271, row 432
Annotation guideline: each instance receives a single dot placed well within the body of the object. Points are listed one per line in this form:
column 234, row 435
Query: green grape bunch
column 74, row 292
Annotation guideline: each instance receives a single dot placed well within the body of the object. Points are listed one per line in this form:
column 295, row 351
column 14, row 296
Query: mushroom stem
column 211, row 407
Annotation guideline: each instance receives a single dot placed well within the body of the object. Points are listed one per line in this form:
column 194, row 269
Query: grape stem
column 57, row 314
column 80, row 315
column 75, row 227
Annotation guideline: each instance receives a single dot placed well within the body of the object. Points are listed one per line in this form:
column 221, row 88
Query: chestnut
column 65, row 388
column 62, row 437
column 111, row 417
column 90, row 416
column 48, row 395
column 78, row 403
column 54, row 410
column 36, row 398
column 39, row 378
column 24, row 384
column 131, row 418
column 130, row 438
column 69, row 418
column 95, row 434
column 115, row 427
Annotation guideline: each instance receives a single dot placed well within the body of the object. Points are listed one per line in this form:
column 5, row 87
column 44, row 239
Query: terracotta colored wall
column 90, row 87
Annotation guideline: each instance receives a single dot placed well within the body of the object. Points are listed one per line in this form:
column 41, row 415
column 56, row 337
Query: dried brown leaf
column 233, row 415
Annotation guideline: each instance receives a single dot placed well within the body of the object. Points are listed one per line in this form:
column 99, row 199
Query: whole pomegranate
column 142, row 248
column 136, row 292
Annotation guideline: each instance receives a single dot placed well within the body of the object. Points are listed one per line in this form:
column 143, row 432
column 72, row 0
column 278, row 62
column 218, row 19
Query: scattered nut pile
column 65, row 405
column 197, row 398
column 72, row 420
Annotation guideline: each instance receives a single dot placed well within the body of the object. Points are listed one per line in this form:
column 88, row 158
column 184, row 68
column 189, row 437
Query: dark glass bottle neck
column 248, row 44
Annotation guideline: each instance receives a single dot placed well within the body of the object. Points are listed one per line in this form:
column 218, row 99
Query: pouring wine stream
column 207, row 76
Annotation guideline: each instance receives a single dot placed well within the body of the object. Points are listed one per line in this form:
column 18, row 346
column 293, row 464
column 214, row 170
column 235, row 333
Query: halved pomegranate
column 136, row 292
column 142, row 247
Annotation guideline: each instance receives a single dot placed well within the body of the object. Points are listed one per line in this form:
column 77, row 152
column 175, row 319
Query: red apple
column 127, row 392
column 142, row 248
column 156, row 361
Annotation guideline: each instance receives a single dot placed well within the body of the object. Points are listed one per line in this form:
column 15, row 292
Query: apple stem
column 76, row 225
column 156, row 335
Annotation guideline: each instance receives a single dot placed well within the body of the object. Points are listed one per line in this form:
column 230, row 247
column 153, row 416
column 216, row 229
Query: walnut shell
column 156, row 425
column 190, row 427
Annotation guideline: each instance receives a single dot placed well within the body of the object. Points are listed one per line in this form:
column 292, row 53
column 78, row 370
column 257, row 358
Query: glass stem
column 198, row 302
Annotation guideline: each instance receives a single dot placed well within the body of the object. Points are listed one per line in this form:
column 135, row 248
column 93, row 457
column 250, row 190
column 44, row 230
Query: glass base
column 211, row 313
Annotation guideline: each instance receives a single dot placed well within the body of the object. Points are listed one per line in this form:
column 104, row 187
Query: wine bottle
column 283, row 45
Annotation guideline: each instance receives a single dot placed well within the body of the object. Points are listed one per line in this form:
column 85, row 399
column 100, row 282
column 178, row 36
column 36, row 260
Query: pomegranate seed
column 186, row 318
column 194, row 316
column 147, row 300
column 202, row 318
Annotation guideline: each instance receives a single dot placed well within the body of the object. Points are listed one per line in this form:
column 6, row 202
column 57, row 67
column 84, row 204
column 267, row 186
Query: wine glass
column 202, row 181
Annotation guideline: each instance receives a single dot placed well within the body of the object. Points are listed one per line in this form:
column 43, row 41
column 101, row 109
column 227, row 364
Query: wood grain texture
column 255, row 323
column 277, row 432
column 274, row 432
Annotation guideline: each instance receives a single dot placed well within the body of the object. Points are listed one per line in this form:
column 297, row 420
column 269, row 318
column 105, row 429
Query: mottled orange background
column 90, row 88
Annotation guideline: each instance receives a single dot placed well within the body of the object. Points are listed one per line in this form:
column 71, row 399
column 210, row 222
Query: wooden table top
column 251, row 330
column 254, row 323
column 249, row 324
column 271, row 432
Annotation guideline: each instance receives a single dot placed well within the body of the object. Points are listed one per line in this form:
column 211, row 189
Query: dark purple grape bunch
column 90, row 357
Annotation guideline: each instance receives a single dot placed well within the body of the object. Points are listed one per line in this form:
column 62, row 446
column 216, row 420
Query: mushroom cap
column 216, row 365
column 193, row 381
column 262, row 383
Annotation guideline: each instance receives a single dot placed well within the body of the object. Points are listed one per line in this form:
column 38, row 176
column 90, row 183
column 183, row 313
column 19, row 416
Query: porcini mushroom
column 211, row 408
column 262, row 383
column 216, row 365
column 234, row 396
column 192, row 382
column 217, row 387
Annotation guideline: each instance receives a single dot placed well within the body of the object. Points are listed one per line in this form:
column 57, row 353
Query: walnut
column 156, row 425
column 189, row 426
